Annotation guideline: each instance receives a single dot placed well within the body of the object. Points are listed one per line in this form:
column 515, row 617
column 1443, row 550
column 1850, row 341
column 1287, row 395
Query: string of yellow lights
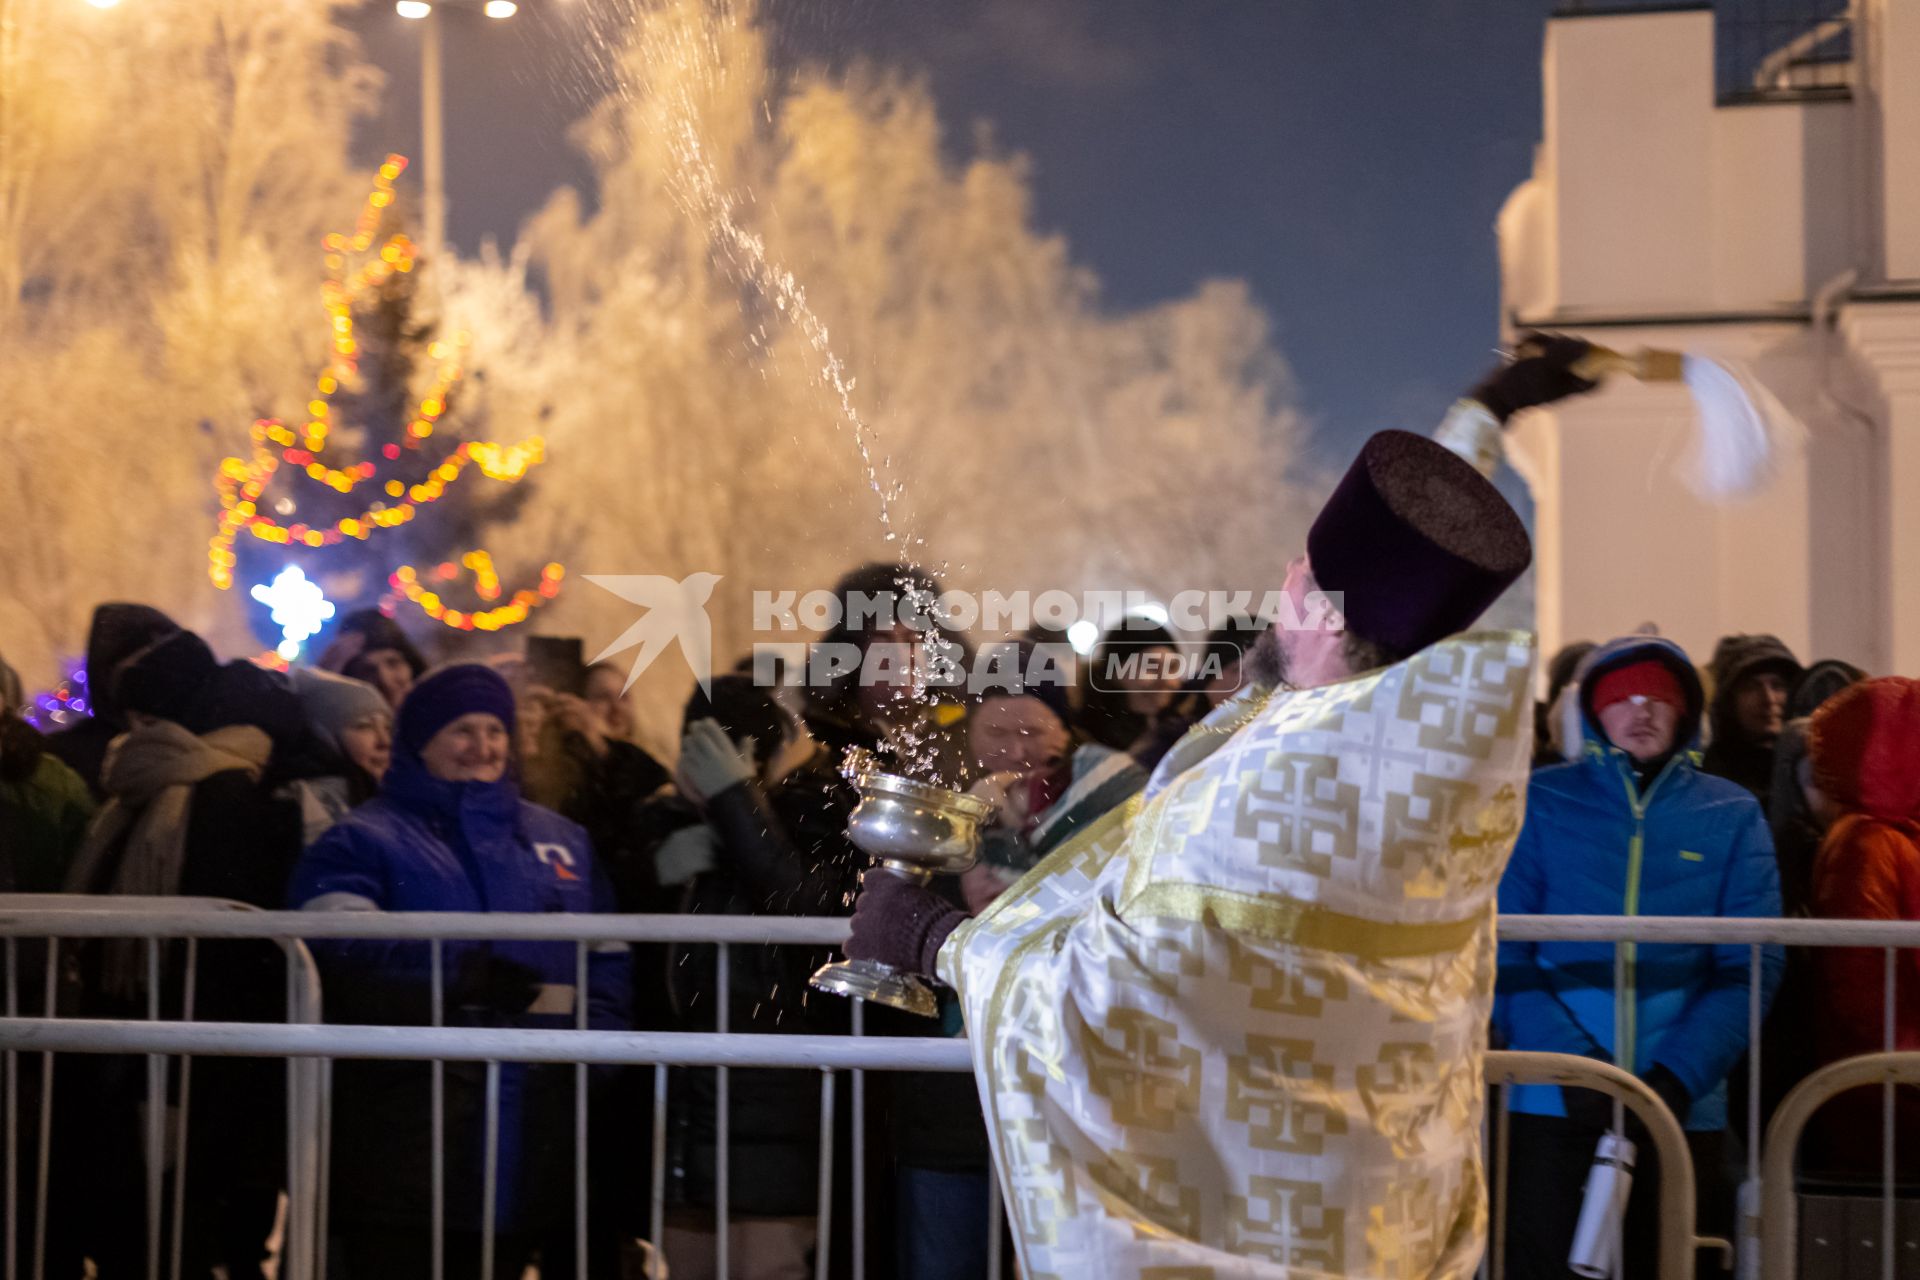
column 407, row 585
column 240, row 481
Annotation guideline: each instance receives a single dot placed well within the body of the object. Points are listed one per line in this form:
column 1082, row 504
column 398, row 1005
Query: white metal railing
column 93, row 921
column 129, row 918
column 1780, row 1216
column 309, row 1049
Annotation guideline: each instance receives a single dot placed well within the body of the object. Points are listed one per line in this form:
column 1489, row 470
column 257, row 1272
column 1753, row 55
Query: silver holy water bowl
column 911, row 829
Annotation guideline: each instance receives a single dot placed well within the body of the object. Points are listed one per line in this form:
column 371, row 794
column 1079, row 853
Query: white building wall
column 1629, row 125
column 1891, row 102
column 1657, row 218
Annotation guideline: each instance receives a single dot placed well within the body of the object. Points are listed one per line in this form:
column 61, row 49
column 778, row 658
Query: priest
column 1235, row 1028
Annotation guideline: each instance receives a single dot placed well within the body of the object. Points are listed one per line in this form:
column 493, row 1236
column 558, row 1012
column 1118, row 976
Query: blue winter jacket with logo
column 424, row 844
column 1596, row 843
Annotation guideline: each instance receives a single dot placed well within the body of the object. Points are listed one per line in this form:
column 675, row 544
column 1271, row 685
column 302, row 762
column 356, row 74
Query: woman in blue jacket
column 1632, row 827
column 449, row 832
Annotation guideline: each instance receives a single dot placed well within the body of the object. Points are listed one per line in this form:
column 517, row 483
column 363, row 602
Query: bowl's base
column 877, row 983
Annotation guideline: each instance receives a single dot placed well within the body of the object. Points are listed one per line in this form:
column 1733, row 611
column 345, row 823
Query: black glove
column 1667, row 1086
column 483, row 980
column 1589, row 1108
column 899, row 923
column 1541, row 373
column 1592, row 1109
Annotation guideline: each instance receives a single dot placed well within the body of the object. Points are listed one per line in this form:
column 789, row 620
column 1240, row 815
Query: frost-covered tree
column 166, row 171
column 761, row 245
column 789, row 307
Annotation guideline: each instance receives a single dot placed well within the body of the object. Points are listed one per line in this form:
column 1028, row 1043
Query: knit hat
column 116, row 632
column 443, row 696
column 367, row 631
column 333, row 703
column 1416, row 542
column 1651, row 679
column 165, row 678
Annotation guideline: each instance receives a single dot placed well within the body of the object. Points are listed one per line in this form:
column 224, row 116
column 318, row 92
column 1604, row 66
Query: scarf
column 137, row 843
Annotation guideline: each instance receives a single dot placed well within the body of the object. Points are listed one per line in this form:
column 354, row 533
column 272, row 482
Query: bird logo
column 675, row 611
column 557, row 856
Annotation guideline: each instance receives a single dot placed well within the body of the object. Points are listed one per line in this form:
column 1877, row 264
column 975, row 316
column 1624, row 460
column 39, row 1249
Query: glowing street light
column 103, row 4
column 432, row 129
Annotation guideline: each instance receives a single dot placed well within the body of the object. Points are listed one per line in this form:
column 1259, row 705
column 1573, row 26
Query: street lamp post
column 433, row 154
column 432, row 120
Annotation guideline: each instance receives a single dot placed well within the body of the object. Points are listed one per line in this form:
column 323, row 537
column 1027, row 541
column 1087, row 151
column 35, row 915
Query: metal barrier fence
column 127, row 918
column 310, row 1049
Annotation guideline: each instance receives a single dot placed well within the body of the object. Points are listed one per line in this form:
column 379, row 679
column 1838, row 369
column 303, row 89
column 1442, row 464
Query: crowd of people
column 374, row 782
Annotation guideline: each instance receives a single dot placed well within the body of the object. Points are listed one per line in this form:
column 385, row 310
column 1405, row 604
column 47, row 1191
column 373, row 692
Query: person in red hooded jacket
column 1863, row 744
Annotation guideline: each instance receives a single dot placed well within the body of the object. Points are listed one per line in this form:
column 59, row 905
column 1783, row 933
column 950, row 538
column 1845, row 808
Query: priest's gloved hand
column 900, row 923
column 710, row 762
column 1541, row 373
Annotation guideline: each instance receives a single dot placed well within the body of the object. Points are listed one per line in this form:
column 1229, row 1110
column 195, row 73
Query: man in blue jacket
column 449, row 832
column 1632, row 827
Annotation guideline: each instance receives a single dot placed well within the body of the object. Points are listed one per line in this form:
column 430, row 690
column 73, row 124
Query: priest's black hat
column 1416, row 541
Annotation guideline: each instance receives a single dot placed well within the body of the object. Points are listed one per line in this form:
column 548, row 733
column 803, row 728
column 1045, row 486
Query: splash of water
column 699, row 190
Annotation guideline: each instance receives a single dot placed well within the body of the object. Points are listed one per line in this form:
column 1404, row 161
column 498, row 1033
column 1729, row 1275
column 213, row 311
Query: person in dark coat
column 195, row 807
column 1799, row 823
column 1046, row 782
column 449, row 832
column 1797, row 830
column 1751, row 676
column 115, row 634
column 370, row 646
column 735, row 855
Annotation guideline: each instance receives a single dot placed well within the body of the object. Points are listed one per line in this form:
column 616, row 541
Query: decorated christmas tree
column 375, row 497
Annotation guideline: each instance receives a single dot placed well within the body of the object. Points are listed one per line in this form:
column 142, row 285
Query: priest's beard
column 1266, row 662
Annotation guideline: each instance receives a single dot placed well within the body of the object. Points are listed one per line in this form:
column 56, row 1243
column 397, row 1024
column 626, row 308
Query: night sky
column 1346, row 157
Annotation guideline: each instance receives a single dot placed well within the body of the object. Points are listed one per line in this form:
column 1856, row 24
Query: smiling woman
column 450, row 832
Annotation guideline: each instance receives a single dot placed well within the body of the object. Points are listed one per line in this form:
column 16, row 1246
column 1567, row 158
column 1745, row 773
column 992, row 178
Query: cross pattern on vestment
column 1452, row 695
